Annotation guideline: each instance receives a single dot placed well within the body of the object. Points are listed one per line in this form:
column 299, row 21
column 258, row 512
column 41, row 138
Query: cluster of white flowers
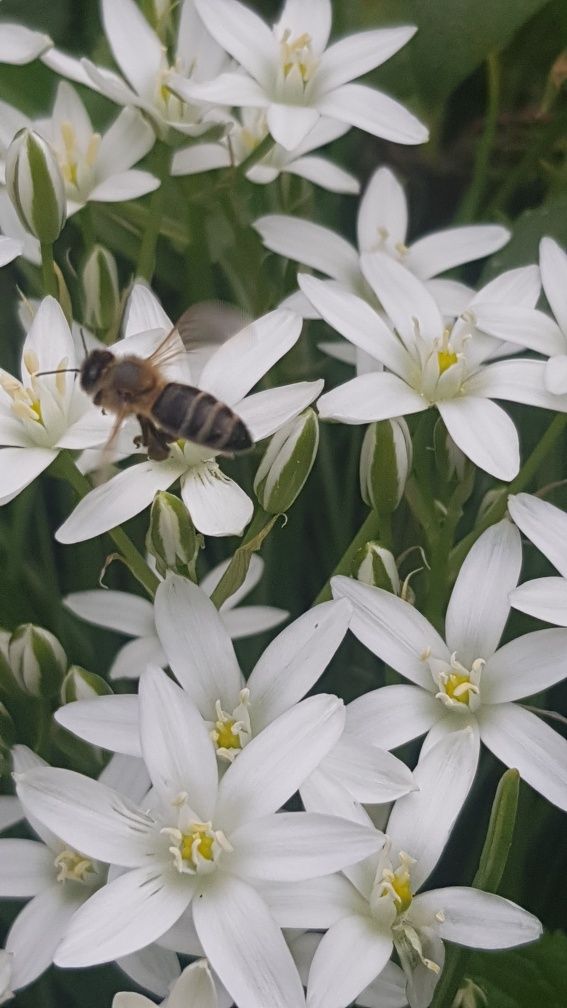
column 235, row 823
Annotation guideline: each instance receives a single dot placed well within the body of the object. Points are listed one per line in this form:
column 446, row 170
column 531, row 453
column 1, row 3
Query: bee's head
column 93, row 369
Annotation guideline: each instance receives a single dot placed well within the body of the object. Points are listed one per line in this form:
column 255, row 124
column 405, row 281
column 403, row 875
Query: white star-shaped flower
column 546, row 526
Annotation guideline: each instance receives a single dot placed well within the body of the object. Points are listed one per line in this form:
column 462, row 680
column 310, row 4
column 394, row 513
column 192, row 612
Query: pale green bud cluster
column 79, row 684
column 385, row 464
column 37, row 660
column 35, row 185
column 287, row 462
column 171, row 538
column 101, row 294
column 375, row 565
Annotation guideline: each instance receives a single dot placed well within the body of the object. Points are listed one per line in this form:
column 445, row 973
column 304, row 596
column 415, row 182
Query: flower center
column 72, row 160
column 296, row 55
column 231, row 732
column 458, row 687
column 397, row 884
column 74, row 867
column 26, row 399
column 196, row 849
column 446, row 355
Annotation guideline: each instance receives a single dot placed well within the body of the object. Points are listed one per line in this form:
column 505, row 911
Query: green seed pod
column 79, row 684
column 287, row 462
column 37, row 660
column 101, row 295
column 385, row 464
column 35, row 185
column 171, row 538
column 375, row 565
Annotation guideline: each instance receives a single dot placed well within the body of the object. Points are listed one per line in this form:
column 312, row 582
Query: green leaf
column 522, row 978
column 237, row 569
column 523, row 248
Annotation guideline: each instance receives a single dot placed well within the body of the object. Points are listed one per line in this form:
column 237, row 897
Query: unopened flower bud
column 101, row 294
column 385, row 464
column 35, row 185
column 287, row 462
column 375, row 565
column 6, row 677
column 158, row 13
column 7, row 728
column 172, row 539
column 37, row 660
column 79, row 684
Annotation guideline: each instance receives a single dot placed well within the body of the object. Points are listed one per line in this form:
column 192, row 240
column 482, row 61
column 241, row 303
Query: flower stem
column 147, row 254
column 474, row 195
column 498, row 509
column 256, row 155
column 50, row 285
column 66, row 468
column 370, row 529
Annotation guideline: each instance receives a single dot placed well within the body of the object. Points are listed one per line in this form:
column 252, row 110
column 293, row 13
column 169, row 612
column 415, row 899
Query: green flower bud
column 375, row 565
column 287, row 462
column 385, row 464
column 101, row 295
column 37, row 660
column 171, row 537
column 6, row 677
column 35, row 185
column 79, row 684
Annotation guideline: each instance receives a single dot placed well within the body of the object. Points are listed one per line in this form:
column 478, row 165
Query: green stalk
column 475, row 193
column 50, row 285
column 498, row 509
column 370, row 529
column 147, row 254
column 66, row 468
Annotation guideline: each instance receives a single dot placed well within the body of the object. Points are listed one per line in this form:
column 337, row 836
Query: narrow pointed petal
column 383, row 207
column 439, row 252
column 200, row 157
column 527, row 327
column 313, row 18
column 370, row 397
column 26, row 867
column 91, row 817
column 478, row 919
column 476, row 618
column 521, row 381
column 135, row 656
column 392, row 715
column 67, row 66
column 217, row 505
column 125, row 185
column 291, row 665
column 276, row 762
column 404, row 297
column 369, row 773
column 245, row 947
column 357, row 54
column 9, row 249
column 555, row 375
column 421, row 822
column 350, row 956
column 373, row 112
column 392, row 629
column 325, row 793
column 544, row 524
column 197, row 646
column 124, row 916
column 524, row 666
column 324, row 173
column 265, row 412
column 195, row 986
column 484, row 433
column 290, row 124
column 128, row 775
column 111, row 722
column 522, row 740
column 129, row 139
column 120, row 611
column 228, row 89
column 10, row 811
column 144, row 312
column 37, row 931
column 387, row 991
column 553, row 265
column 451, row 296
column 316, row 903
column 311, row 244
column 20, row 45
column 242, row 33
column 19, row 467
column 135, row 46
column 246, row 621
column 153, row 968
column 544, row 598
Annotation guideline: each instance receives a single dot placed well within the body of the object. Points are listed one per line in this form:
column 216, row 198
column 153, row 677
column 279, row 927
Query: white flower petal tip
column 556, row 374
column 20, row 45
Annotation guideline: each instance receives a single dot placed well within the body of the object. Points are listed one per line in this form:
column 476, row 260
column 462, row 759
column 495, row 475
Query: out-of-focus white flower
column 19, row 45
column 41, row 415
column 143, row 60
column 10, row 248
column 6, row 993
column 429, row 364
column 382, row 225
column 464, row 680
column 546, row 526
column 35, row 185
column 195, row 988
column 245, row 134
column 203, row 843
column 291, row 73
column 12, row 228
column 134, row 616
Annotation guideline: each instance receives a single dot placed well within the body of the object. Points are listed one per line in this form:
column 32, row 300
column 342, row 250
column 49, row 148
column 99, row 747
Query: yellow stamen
column 225, row 737
column 73, row 866
column 200, row 841
column 446, row 359
column 458, row 687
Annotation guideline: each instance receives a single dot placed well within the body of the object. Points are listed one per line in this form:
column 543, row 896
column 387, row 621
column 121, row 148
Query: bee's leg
column 142, row 439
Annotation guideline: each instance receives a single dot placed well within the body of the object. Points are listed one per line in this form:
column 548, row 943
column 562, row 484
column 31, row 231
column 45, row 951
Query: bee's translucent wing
column 205, row 326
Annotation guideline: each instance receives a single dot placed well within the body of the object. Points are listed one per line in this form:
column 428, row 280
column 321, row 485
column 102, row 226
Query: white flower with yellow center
column 292, row 73
column 427, row 364
column 203, row 843
column 465, row 679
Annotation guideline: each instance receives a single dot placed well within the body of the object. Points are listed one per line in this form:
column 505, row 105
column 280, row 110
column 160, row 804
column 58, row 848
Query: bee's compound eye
column 93, row 367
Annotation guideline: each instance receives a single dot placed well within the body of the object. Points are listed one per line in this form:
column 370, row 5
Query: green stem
column 147, row 254
column 256, row 155
column 540, row 148
column 474, row 196
column 498, row 509
column 370, row 529
column 50, row 285
column 65, row 467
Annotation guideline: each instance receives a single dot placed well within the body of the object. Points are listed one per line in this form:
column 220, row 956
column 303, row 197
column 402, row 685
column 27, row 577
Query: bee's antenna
column 59, row 370
column 83, row 341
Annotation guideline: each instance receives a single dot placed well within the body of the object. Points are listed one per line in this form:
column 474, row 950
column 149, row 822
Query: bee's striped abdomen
column 187, row 412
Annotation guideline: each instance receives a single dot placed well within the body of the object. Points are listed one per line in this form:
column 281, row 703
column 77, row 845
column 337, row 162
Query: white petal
column 404, row 297
column 479, row 604
column 544, row 524
column 292, row 846
column 265, row 412
column 107, row 82
column 245, row 947
column 520, row 286
column 290, row 124
column 383, row 206
column 86, row 814
column 129, row 139
column 111, row 722
column 369, row 397
column 144, row 313
column 392, row 715
column 135, row 46
column 176, row 745
column 392, row 629
column 316, row 903
column 246, row 357
column 217, row 505
column 313, row 18
column 339, row 350
column 195, row 986
column 37, row 931
column 484, row 433
column 153, row 968
column 198, row 648
column 228, row 89
column 124, row 916
column 553, row 265
column 373, row 112
column 19, row 45
column 524, row 666
column 200, row 157
column 10, row 811
column 115, row 502
column 310, row 244
column 67, row 66
column 19, row 467
column 9, row 249
column 128, row 775
column 131, row 660
column 275, row 763
column 421, row 822
column 350, row 956
column 249, row 620
column 544, row 598
column 518, row 324
column 324, row 792
column 291, row 665
column 478, row 919
column 120, row 611
column 369, row 773
column 519, row 381
column 242, row 33
column 387, row 991
column 357, row 54
column 555, row 375
column 451, row 296
column 125, row 185
column 26, row 867
column 441, row 251
column 324, row 173
column 253, row 577
column 521, row 740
